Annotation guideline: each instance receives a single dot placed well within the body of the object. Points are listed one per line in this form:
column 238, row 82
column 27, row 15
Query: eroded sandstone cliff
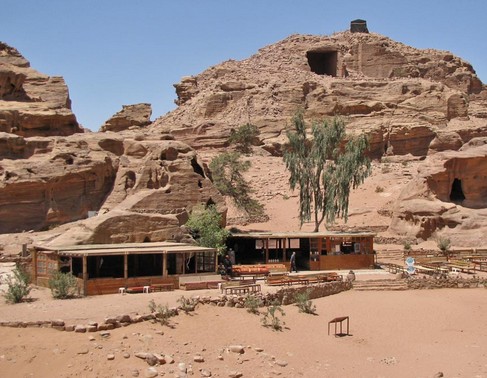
column 31, row 103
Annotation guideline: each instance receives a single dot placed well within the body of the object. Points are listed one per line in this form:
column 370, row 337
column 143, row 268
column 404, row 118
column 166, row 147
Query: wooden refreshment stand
column 326, row 250
column 105, row 268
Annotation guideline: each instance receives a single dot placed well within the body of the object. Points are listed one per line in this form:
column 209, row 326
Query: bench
column 161, row 287
column 242, row 289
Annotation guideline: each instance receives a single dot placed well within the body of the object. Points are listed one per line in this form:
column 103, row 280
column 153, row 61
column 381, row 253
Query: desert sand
column 392, row 334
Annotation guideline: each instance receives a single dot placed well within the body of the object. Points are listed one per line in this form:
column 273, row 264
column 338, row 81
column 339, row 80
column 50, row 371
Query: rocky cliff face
column 130, row 117
column 448, row 196
column 139, row 189
column 403, row 98
column 142, row 179
column 31, row 103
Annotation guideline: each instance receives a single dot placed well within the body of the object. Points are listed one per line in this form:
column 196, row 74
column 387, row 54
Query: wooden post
column 34, row 266
column 126, row 266
column 216, row 262
column 266, row 242
column 164, row 264
column 85, row 274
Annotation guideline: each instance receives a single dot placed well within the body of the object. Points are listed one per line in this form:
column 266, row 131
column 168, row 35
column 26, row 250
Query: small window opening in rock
column 200, row 184
column 323, row 62
column 197, row 168
column 147, row 239
column 456, row 194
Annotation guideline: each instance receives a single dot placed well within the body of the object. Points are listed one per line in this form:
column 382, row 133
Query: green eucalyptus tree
column 325, row 167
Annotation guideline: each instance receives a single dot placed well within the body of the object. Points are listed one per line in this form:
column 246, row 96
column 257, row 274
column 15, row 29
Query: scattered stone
column 126, row 355
column 169, row 359
column 438, row 375
column 110, row 357
column 257, row 349
column 160, row 358
column 141, row 355
column 151, row 359
column 135, row 373
column 105, row 334
column 182, row 367
column 84, row 350
column 69, row 328
column 198, row 358
column 281, row 363
column 91, row 338
column 205, row 373
column 236, row 349
column 151, row 372
column 235, row 374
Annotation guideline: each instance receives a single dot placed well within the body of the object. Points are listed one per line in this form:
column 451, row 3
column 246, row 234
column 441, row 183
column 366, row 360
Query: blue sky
column 118, row 52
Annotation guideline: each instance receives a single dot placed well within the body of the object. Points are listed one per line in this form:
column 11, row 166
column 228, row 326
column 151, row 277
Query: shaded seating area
column 127, row 267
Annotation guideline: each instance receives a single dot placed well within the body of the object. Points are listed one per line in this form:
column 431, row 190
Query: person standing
column 293, row 263
column 227, row 263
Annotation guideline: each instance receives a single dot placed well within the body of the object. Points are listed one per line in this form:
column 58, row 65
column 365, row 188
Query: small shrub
column 304, row 303
column 252, row 304
column 63, row 285
column 187, row 304
column 271, row 318
column 17, row 286
column 162, row 313
column 379, row 189
column 444, row 245
column 407, row 246
column 244, row 137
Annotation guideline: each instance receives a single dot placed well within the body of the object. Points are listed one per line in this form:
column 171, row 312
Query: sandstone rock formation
column 131, row 116
column 141, row 190
column 447, row 197
column 31, row 103
column 403, row 98
column 142, row 179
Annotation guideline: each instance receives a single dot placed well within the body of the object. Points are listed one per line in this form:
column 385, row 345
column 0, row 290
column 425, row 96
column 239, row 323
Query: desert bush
column 304, row 303
column 252, row 304
column 444, row 245
column 244, row 137
column 379, row 189
column 18, row 285
column 187, row 304
column 63, row 285
column 407, row 245
column 271, row 317
column 162, row 313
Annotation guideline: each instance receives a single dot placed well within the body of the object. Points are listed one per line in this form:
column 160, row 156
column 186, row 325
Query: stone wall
column 446, row 282
column 284, row 296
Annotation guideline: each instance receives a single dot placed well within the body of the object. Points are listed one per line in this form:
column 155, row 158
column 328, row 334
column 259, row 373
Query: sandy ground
column 392, row 334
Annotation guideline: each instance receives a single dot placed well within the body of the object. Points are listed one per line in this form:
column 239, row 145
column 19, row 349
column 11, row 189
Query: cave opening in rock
column 323, row 62
column 456, row 194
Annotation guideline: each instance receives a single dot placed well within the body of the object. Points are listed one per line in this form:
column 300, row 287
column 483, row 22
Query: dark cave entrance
column 456, row 194
column 323, row 62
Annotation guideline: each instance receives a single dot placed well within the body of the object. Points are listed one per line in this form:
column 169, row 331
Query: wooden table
column 340, row 320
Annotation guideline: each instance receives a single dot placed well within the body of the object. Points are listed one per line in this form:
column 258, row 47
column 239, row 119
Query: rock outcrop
column 31, row 103
column 142, row 190
column 403, row 98
column 130, row 117
column 448, row 196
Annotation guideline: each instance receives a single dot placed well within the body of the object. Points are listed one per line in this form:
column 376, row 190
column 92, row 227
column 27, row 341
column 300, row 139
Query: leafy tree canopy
column 325, row 167
column 226, row 170
column 206, row 226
